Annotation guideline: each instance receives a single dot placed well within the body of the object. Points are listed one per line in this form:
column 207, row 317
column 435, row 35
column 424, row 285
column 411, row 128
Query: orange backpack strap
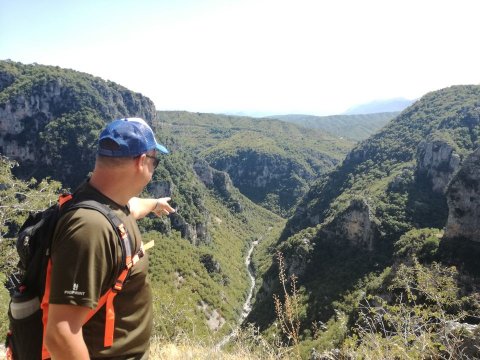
column 107, row 300
column 44, row 307
column 62, row 199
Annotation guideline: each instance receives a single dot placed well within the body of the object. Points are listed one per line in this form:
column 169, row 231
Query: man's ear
column 140, row 162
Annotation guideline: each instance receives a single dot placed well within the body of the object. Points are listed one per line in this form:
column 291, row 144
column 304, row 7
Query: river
column 247, row 305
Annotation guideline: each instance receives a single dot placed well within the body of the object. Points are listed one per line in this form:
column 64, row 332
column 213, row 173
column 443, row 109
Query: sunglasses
column 156, row 161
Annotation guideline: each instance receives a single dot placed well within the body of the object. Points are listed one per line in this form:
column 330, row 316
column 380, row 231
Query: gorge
column 358, row 223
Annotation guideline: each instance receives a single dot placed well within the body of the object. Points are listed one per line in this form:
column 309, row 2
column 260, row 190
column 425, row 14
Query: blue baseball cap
column 132, row 136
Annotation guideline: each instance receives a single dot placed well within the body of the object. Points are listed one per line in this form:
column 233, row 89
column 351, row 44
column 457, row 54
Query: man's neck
column 112, row 187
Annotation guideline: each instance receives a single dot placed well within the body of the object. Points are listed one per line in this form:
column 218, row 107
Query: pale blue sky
column 265, row 56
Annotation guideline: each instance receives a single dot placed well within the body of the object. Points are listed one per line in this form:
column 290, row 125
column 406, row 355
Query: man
column 86, row 251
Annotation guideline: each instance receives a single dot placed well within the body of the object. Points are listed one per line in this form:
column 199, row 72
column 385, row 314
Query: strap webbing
column 44, row 307
column 109, row 319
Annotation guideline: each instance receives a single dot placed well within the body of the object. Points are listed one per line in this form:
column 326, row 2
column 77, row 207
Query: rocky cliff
column 33, row 96
column 438, row 161
column 219, row 182
column 192, row 223
column 463, row 197
column 273, row 181
column 49, row 123
column 356, row 226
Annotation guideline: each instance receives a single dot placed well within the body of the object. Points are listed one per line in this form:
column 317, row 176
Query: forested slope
column 271, row 162
column 367, row 235
column 355, row 127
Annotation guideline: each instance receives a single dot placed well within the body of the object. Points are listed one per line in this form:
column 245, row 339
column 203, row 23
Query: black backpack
column 27, row 284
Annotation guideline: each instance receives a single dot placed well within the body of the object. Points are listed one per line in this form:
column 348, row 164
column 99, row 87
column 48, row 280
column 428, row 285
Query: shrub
column 421, row 243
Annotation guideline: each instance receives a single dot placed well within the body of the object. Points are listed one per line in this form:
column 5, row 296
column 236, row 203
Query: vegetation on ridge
column 269, row 161
column 355, row 127
column 389, row 157
column 381, row 189
column 53, row 113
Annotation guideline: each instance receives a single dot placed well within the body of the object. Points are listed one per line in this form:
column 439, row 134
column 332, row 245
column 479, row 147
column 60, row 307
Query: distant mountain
column 380, row 106
column 254, row 114
column 355, row 127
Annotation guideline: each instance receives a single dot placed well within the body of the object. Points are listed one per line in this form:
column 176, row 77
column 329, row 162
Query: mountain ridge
column 380, row 106
column 355, row 127
column 270, row 161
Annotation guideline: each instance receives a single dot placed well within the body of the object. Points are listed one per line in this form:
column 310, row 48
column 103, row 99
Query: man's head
column 129, row 137
column 126, row 158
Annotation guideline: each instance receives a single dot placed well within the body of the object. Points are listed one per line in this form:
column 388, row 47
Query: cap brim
column 162, row 149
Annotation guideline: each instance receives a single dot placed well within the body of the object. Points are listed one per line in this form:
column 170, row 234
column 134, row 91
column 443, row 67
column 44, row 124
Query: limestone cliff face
column 26, row 110
column 259, row 171
column 357, row 155
column 463, row 197
column 162, row 188
column 271, row 180
column 438, row 161
column 220, row 182
column 356, row 225
column 35, row 97
column 213, row 178
column 298, row 257
column 194, row 231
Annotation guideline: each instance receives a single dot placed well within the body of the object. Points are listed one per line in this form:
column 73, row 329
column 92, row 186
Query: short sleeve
column 84, row 258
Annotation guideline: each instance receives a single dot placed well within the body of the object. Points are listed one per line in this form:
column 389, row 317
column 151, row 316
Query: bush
column 420, row 317
column 420, row 243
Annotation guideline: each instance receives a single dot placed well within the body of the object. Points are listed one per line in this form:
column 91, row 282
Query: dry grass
column 287, row 310
column 193, row 352
column 246, row 344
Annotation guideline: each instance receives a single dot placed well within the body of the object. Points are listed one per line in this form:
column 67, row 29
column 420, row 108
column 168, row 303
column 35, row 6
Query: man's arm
column 139, row 207
column 63, row 336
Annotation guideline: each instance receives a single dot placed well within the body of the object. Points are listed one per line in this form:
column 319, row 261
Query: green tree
column 69, row 145
column 18, row 198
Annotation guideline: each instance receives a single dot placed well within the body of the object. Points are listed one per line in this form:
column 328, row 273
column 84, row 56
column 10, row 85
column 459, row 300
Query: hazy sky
column 269, row 56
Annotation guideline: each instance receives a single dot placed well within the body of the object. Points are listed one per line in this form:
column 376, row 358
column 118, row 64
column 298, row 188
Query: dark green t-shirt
column 86, row 254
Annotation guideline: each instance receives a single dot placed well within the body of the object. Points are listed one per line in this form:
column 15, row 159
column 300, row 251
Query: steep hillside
column 199, row 272
column 402, row 171
column 271, row 162
column 354, row 127
column 358, row 232
column 48, row 114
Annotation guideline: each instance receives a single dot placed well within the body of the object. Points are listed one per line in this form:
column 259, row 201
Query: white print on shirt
column 74, row 290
